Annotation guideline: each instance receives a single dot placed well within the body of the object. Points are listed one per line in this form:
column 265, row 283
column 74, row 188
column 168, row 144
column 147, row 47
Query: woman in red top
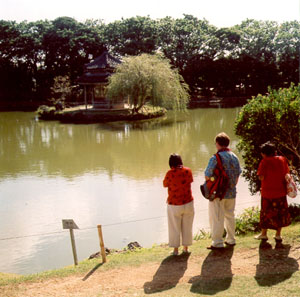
column 274, row 212
column 180, row 204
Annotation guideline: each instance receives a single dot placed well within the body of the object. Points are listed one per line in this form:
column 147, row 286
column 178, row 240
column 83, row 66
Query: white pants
column 221, row 214
column 180, row 222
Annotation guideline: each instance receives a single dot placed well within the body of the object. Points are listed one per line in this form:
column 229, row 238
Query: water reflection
column 49, row 148
column 109, row 174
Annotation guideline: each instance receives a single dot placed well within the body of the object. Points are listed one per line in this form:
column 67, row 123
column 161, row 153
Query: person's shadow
column 274, row 265
column 216, row 274
column 170, row 271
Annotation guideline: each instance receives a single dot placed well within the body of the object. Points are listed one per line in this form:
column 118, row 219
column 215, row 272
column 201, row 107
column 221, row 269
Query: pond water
column 109, row 174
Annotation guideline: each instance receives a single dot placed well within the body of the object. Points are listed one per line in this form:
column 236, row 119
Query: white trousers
column 221, row 214
column 180, row 223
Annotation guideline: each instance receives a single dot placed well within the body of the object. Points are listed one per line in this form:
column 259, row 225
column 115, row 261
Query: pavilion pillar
column 85, row 99
column 93, row 96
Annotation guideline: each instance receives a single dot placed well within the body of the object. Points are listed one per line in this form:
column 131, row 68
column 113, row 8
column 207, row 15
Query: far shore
column 196, row 102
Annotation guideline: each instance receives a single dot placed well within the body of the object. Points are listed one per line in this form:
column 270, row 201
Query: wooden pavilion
column 95, row 79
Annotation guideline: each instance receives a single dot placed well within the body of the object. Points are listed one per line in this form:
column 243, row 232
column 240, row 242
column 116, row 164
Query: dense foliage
column 274, row 117
column 148, row 78
column 242, row 60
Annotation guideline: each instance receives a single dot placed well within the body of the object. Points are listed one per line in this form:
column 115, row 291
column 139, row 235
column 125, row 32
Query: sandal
column 174, row 253
column 261, row 237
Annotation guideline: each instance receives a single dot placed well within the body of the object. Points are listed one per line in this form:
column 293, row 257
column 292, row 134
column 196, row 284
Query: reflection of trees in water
column 144, row 125
column 136, row 149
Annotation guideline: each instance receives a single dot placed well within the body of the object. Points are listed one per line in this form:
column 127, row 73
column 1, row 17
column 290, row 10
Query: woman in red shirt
column 180, row 204
column 274, row 212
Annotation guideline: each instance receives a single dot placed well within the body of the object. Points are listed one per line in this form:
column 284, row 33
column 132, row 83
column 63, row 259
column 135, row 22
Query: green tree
column 274, row 117
column 69, row 44
column 189, row 43
column 257, row 55
column 148, row 78
column 132, row 36
column 287, row 49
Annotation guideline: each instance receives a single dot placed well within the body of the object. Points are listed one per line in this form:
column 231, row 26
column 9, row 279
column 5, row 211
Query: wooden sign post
column 71, row 225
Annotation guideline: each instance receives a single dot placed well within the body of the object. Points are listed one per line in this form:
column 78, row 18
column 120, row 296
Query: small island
column 138, row 88
column 81, row 115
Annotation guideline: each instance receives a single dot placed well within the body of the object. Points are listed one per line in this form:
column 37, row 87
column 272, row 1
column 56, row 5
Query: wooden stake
column 102, row 249
column 73, row 247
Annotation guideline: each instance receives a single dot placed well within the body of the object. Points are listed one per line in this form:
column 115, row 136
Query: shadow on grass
column 216, row 274
column 168, row 274
column 92, row 271
column 275, row 265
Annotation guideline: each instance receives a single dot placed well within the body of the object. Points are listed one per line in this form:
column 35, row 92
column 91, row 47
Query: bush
column 248, row 221
column 294, row 210
column 276, row 118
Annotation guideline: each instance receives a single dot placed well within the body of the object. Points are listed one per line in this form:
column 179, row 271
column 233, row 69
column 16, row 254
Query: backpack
column 217, row 185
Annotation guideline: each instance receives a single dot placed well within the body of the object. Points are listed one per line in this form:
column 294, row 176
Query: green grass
column 273, row 283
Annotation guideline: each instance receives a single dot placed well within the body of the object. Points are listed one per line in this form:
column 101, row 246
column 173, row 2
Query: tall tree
column 257, row 55
column 69, row 44
column 189, row 44
column 132, row 36
column 287, row 44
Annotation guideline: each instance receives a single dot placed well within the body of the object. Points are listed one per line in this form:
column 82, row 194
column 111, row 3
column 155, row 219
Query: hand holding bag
column 290, row 186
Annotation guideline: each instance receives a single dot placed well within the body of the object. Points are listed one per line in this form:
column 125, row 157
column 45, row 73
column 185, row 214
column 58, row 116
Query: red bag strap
column 219, row 161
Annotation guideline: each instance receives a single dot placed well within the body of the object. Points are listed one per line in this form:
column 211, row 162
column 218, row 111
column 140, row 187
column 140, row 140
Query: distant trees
column 242, row 60
column 34, row 53
column 148, row 78
column 133, row 36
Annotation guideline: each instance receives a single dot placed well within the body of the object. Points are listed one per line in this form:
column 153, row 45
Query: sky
column 221, row 13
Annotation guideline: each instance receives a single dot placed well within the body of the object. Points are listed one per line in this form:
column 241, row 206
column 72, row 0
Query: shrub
column 276, row 118
column 248, row 221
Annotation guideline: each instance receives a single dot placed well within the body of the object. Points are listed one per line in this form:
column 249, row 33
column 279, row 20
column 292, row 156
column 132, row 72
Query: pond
column 109, row 174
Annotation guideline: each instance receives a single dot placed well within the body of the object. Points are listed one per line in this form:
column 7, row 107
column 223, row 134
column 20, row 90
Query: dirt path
column 154, row 277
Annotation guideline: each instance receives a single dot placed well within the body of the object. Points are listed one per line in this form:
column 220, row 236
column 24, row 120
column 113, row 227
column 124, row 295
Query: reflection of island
column 139, row 150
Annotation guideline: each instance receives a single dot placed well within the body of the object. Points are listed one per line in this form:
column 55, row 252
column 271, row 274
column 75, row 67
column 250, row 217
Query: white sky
column 221, row 13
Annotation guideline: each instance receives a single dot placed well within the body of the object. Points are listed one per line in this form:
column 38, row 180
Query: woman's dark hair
column 175, row 161
column 222, row 139
column 268, row 149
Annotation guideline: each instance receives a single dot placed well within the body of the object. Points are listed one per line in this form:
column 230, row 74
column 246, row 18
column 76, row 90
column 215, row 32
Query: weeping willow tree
column 148, row 79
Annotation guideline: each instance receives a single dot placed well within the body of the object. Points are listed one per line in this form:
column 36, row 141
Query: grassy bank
column 248, row 269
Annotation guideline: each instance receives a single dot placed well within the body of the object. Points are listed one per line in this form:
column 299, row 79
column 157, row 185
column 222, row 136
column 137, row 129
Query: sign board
column 69, row 224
